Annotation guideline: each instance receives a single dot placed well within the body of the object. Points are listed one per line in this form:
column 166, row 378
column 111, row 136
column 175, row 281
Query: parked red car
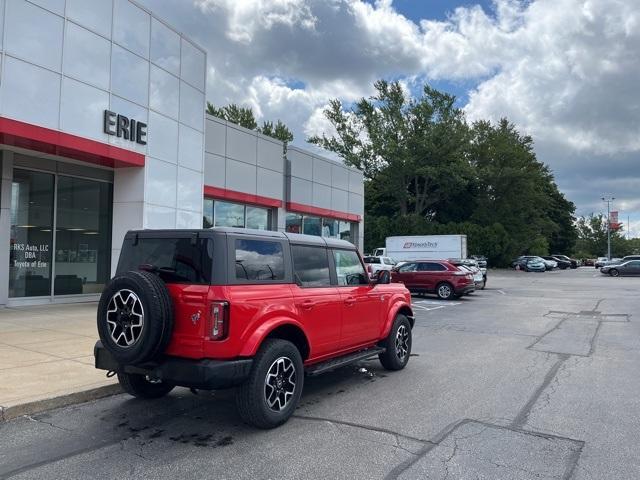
column 441, row 277
column 255, row 310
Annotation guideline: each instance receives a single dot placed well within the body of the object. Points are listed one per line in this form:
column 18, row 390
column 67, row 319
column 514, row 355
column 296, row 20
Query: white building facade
column 103, row 130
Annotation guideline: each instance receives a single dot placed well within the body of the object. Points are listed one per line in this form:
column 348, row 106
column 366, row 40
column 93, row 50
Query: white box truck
column 425, row 247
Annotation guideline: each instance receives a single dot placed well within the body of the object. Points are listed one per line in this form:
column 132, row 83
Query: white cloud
column 565, row 71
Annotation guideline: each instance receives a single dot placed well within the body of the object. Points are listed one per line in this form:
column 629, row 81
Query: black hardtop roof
column 294, row 238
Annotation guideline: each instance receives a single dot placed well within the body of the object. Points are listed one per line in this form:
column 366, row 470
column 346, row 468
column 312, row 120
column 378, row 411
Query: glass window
column 431, row 267
column 34, row 34
column 190, row 148
column 345, row 231
column 228, row 214
column 95, row 14
column 163, row 137
column 34, row 101
column 207, row 213
column 82, row 109
column 259, row 260
column 330, row 228
column 86, row 56
column 129, row 76
column 408, row 267
column 31, row 234
column 83, row 236
column 131, row 27
column 258, row 218
column 192, row 66
column 191, row 106
column 371, row 260
column 163, row 92
column 177, row 260
column 165, row 47
column 293, row 223
column 349, row 268
column 312, row 226
column 388, row 261
column 310, row 266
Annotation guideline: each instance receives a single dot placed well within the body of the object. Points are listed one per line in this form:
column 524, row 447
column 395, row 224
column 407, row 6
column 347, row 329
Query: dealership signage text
column 124, row 127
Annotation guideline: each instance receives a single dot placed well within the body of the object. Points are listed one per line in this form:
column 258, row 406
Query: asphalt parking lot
column 534, row 377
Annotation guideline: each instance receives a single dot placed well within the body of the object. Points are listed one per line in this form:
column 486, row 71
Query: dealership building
column 103, row 129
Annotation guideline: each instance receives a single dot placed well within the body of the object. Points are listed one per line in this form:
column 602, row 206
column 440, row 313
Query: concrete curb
column 8, row 413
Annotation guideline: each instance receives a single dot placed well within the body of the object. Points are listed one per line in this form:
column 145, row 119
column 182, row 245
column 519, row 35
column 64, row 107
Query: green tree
column 233, row 113
column 427, row 171
column 410, row 150
column 592, row 238
column 278, row 131
column 244, row 117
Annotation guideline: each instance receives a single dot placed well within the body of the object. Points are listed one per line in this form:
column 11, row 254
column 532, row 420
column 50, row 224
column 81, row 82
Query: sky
column 566, row 72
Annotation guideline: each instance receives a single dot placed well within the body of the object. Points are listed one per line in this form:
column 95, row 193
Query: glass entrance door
column 31, row 234
column 61, row 230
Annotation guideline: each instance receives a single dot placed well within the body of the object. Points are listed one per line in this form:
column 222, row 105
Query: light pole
column 608, row 201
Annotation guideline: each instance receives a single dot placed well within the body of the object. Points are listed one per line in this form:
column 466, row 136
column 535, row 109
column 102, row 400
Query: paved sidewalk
column 46, row 358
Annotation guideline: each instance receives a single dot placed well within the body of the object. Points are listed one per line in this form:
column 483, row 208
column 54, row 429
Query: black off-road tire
column 157, row 323
column 442, row 292
column 251, row 396
column 397, row 345
column 139, row 386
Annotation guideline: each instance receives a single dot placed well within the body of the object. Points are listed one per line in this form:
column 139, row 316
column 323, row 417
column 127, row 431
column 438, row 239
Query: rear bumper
column 463, row 290
column 205, row 374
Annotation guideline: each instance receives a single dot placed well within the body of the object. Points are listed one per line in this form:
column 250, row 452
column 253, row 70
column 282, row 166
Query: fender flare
column 400, row 306
column 255, row 339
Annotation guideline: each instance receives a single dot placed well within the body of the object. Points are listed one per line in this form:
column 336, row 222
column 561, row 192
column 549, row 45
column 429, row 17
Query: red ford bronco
column 256, row 310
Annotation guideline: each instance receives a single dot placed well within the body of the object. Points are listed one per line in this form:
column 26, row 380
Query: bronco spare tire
column 135, row 317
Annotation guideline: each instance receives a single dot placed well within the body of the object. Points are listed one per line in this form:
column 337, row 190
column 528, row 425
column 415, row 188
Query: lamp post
column 608, row 201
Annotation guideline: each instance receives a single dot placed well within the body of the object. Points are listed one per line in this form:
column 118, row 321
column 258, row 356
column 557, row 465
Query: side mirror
column 383, row 277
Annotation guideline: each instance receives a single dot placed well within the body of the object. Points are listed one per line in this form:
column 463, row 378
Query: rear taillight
column 218, row 321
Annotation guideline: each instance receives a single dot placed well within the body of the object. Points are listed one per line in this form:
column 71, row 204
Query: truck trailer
column 422, row 247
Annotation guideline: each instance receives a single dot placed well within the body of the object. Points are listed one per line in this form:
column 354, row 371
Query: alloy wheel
column 125, row 318
column 402, row 343
column 280, row 384
column 444, row 291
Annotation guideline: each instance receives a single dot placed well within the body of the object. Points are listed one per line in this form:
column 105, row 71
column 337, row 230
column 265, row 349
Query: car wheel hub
column 402, row 342
column 125, row 318
column 280, row 384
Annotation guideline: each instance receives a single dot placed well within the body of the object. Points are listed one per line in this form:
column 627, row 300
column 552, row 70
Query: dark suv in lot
column 255, row 310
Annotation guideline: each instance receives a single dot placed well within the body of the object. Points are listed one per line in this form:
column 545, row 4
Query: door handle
column 350, row 301
column 307, row 304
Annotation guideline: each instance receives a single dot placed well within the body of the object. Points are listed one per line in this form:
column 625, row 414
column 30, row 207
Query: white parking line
column 501, row 292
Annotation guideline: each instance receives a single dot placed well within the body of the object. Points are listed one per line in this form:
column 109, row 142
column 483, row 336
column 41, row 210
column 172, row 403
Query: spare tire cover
column 135, row 317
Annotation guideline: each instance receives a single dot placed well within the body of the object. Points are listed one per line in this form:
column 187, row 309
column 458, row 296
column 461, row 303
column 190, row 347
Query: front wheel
column 613, row 272
column 397, row 345
column 272, row 392
column 141, row 387
column 445, row 291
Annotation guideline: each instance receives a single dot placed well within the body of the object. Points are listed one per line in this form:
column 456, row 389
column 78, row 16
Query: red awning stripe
column 232, row 195
column 54, row 142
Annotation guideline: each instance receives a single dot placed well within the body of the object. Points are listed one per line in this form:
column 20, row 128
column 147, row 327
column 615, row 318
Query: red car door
column 406, row 273
column 318, row 302
column 361, row 303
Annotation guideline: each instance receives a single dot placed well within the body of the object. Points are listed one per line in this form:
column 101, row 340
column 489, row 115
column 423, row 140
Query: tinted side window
column 408, row 267
column 348, row 268
column 432, row 267
column 259, row 260
column 310, row 266
column 176, row 259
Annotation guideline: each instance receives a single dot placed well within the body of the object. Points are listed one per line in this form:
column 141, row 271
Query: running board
column 334, row 363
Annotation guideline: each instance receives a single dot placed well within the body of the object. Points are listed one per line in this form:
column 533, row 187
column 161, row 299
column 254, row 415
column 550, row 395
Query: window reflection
column 165, row 47
column 312, row 226
column 83, row 236
column 228, row 215
column 31, row 234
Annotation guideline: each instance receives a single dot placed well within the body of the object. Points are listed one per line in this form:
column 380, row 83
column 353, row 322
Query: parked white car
column 377, row 263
